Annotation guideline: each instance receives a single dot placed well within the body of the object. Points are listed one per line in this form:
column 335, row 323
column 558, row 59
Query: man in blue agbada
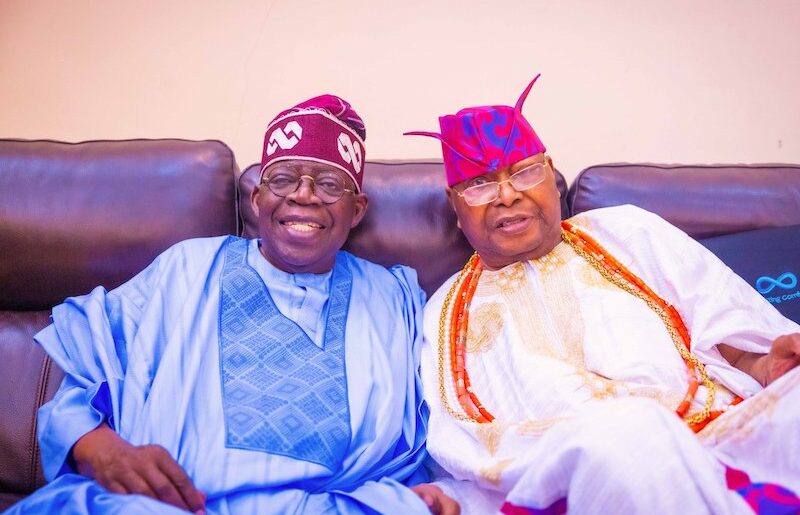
column 276, row 375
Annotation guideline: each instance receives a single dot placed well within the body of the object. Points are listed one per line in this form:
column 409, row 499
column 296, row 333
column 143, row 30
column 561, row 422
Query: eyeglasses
column 488, row 192
column 328, row 187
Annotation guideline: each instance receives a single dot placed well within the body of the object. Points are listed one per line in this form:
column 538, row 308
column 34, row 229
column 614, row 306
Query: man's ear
column 549, row 161
column 360, row 204
column 254, row 198
column 450, row 192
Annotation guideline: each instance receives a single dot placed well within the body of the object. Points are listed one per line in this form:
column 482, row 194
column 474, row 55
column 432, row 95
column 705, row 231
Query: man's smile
column 303, row 226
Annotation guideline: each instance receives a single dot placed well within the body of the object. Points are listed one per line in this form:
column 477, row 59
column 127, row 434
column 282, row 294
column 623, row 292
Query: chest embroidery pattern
column 281, row 393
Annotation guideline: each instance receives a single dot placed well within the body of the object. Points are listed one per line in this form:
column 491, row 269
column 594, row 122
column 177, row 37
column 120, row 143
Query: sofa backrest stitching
column 44, row 377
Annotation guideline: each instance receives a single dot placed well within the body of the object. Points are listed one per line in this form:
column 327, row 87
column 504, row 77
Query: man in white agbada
column 558, row 373
column 274, row 375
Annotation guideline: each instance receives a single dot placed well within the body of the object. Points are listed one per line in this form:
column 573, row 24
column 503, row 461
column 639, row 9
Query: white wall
column 623, row 80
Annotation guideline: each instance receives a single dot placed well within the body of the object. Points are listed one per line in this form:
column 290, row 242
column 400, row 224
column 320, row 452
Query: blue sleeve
column 87, row 339
column 416, row 422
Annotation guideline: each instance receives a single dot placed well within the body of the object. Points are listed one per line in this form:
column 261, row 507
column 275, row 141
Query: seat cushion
column 28, row 379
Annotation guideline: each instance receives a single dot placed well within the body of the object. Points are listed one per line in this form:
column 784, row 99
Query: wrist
column 91, row 447
column 760, row 370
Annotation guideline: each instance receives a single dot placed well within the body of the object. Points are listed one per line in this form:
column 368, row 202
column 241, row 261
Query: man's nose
column 507, row 194
column 305, row 192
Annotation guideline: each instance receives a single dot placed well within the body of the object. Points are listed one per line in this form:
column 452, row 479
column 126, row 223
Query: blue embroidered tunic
column 276, row 392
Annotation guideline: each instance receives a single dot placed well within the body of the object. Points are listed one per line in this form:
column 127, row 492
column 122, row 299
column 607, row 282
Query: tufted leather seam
column 40, row 394
column 237, row 204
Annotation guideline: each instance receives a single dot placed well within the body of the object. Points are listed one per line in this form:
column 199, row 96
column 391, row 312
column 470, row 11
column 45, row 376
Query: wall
column 623, row 80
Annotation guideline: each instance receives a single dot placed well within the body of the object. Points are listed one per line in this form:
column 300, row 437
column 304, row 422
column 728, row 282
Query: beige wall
column 623, row 80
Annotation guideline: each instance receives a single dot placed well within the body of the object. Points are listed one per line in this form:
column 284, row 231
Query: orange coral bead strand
column 462, row 340
column 460, row 321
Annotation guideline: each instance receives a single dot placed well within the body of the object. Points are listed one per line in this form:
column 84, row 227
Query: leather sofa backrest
column 704, row 201
column 73, row 216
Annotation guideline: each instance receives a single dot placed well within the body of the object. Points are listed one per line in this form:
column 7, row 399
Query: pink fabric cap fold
column 324, row 129
column 477, row 140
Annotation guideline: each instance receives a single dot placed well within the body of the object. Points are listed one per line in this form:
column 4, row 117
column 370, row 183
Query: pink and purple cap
column 477, row 140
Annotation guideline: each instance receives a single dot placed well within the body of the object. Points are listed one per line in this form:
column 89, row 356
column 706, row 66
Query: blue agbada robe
column 276, row 392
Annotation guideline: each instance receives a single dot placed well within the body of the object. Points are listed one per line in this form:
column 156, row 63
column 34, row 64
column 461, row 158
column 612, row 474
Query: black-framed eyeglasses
column 328, row 187
column 487, row 192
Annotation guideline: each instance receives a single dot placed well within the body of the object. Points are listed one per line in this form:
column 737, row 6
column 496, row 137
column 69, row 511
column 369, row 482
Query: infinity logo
column 350, row 152
column 278, row 137
column 766, row 284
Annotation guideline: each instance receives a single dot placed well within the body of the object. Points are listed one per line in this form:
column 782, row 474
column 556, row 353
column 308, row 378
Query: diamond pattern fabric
column 281, row 393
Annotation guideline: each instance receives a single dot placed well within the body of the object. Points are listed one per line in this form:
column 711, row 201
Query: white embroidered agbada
column 583, row 380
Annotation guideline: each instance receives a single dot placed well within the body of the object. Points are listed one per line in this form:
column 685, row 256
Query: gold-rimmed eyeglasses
column 328, row 187
column 487, row 192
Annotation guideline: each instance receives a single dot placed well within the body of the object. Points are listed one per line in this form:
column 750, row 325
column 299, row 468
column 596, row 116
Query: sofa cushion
column 7, row 500
column 402, row 194
column 704, row 201
column 73, row 216
column 768, row 259
column 28, row 378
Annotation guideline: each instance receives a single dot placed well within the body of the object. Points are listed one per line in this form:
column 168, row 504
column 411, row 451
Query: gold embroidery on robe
column 593, row 279
column 511, row 279
column 538, row 427
column 739, row 423
column 734, row 425
column 559, row 294
column 493, row 474
column 485, row 323
column 667, row 399
column 490, row 435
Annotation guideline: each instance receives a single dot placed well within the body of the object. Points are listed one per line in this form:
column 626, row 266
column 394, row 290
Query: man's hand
column 766, row 368
column 438, row 502
column 783, row 356
column 122, row 468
